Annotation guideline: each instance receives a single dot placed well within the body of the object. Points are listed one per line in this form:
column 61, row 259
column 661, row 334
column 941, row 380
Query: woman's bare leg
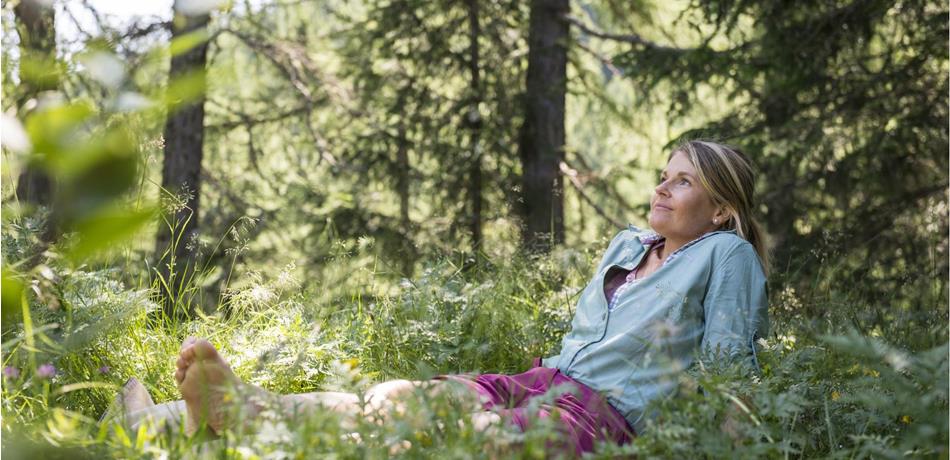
column 132, row 397
column 170, row 415
column 204, row 379
column 166, row 416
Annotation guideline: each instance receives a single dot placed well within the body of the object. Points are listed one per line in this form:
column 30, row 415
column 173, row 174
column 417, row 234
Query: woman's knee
column 391, row 388
column 384, row 394
column 483, row 421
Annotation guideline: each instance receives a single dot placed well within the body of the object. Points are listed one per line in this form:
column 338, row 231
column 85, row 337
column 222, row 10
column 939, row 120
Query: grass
column 826, row 389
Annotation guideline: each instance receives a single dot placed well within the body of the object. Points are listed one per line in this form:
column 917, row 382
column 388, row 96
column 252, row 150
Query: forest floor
column 826, row 390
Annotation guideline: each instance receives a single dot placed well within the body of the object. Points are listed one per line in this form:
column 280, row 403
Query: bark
column 402, row 189
column 35, row 27
column 542, row 134
column 475, row 125
column 176, row 242
column 402, row 177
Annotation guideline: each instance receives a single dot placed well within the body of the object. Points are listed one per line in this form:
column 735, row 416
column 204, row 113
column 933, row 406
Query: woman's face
column 681, row 210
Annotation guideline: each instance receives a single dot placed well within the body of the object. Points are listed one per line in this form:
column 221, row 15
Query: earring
column 716, row 221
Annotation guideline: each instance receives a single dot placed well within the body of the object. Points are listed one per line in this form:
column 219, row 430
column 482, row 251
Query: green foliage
column 424, row 121
column 452, row 320
column 837, row 395
column 843, row 106
column 845, row 396
column 308, row 287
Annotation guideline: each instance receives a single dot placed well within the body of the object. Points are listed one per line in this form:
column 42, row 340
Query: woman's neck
column 673, row 245
column 669, row 246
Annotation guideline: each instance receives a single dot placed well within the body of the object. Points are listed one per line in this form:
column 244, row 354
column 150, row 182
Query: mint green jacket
column 708, row 300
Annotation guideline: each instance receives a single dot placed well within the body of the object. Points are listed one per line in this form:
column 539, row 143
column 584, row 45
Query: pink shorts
column 585, row 417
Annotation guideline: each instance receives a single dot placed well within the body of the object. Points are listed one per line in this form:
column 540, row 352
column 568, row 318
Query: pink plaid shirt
column 614, row 287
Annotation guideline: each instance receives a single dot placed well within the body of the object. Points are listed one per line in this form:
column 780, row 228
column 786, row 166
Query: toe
column 185, row 359
column 187, row 356
column 183, row 362
column 189, row 341
column 203, row 349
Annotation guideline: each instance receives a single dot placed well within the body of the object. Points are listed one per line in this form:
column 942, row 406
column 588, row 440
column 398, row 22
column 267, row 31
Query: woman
column 694, row 288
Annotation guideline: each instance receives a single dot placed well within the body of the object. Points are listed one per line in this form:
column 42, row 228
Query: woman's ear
column 722, row 215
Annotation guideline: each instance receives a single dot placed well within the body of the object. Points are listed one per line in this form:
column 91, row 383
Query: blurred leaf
column 56, row 129
column 107, row 229
column 184, row 43
column 83, row 386
column 19, row 445
column 104, row 67
column 91, row 168
column 40, row 71
column 12, row 134
column 93, row 156
column 185, row 89
column 96, row 175
column 11, row 291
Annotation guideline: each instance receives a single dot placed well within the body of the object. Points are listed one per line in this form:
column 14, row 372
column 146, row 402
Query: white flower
column 896, row 360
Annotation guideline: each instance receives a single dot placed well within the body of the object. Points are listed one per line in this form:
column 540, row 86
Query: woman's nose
column 661, row 188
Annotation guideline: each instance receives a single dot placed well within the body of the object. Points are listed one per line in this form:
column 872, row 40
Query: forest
column 337, row 193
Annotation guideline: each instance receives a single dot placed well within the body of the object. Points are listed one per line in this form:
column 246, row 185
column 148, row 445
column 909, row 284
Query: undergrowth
column 826, row 390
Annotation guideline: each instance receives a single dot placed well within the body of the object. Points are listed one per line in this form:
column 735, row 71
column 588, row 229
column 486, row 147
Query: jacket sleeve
column 735, row 308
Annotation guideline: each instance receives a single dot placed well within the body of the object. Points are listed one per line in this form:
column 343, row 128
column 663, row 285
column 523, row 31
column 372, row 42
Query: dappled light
column 338, row 194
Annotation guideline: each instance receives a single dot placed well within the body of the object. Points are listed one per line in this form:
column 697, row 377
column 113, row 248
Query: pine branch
column 632, row 39
column 571, row 175
column 248, row 121
column 636, row 39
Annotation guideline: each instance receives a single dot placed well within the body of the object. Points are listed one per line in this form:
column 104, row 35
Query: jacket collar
column 650, row 237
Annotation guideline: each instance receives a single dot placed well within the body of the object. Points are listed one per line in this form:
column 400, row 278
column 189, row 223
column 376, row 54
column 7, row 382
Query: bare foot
column 208, row 386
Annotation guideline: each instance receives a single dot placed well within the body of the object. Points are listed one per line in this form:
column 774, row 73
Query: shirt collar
column 649, row 238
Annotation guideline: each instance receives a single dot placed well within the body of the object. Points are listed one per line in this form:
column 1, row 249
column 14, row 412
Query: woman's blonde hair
column 727, row 174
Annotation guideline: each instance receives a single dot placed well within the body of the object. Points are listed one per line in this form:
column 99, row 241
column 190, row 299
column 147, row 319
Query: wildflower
column 353, row 363
column 905, row 419
column 897, row 360
column 835, row 395
column 10, row 372
column 104, row 369
column 46, row 371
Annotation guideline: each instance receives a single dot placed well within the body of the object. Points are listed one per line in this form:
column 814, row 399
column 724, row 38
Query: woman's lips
column 659, row 207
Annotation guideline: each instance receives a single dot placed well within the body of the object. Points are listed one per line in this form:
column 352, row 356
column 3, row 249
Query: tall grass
column 827, row 390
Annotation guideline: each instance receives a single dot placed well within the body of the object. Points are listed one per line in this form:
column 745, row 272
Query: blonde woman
column 693, row 287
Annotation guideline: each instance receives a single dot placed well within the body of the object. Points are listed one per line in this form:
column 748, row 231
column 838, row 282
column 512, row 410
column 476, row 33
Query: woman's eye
column 684, row 181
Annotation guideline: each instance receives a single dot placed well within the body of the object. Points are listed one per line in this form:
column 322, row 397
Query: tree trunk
column 542, row 134
column 402, row 177
column 402, row 189
column 176, row 243
column 475, row 125
column 38, row 73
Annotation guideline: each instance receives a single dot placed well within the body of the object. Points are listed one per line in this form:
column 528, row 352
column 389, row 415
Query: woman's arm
column 735, row 307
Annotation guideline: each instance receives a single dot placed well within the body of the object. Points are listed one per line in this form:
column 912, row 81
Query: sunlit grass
column 844, row 395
